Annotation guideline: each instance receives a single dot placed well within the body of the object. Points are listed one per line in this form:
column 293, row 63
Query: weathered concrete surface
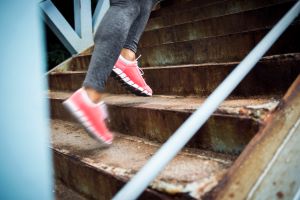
column 217, row 9
column 258, row 154
column 272, row 75
column 217, row 26
column 156, row 118
column 102, row 170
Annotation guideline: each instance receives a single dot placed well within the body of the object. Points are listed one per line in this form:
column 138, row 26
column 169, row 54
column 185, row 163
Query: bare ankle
column 128, row 54
column 93, row 94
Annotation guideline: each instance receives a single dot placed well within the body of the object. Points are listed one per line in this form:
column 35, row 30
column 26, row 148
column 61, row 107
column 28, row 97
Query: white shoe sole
column 79, row 116
column 134, row 88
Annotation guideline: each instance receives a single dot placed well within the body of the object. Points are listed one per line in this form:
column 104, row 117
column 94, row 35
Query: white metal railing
column 297, row 196
column 81, row 37
column 187, row 130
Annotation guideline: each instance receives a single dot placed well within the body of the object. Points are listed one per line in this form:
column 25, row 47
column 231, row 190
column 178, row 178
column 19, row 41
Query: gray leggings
column 121, row 27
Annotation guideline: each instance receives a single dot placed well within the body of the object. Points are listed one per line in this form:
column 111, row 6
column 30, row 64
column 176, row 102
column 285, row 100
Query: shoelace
column 136, row 60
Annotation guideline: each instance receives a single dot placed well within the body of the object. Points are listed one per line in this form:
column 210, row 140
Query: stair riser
column 168, row 7
column 222, row 133
column 217, row 49
column 224, row 25
column 67, row 82
column 92, row 183
column 215, row 10
column 267, row 78
column 80, row 63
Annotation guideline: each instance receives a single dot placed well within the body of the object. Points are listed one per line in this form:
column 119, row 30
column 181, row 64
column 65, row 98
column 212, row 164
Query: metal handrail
column 187, row 130
column 297, row 196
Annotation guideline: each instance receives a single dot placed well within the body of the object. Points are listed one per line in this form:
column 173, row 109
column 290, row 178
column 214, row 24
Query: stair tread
column 235, row 106
column 209, row 64
column 214, row 17
column 236, row 23
column 194, row 18
column 295, row 25
column 279, row 57
column 203, row 65
column 232, row 47
column 188, row 172
column 193, row 79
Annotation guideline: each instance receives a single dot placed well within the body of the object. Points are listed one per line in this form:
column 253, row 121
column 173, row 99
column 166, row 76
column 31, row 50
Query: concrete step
column 156, row 118
column 272, row 75
column 99, row 172
column 226, row 48
column 259, row 18
column 215, row 10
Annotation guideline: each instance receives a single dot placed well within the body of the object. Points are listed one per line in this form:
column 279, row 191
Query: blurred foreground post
column 25, row 159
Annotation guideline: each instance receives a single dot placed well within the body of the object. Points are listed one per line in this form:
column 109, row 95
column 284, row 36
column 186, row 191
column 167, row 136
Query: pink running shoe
column 130, row 75
column 92, row 116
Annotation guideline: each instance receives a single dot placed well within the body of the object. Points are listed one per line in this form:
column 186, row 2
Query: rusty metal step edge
column 251, row 165
column 86, row 59
column 294, row 25
column 195, row 79
column 68, row 168
column 234, row 107
column 158, row 124
column 147, row 61
column 286, row 3
column 264, row 84
column 86, row 56
column 97, row 172
column 253, row 112
column 224, row 25
column 165, row 8
column 227, row 48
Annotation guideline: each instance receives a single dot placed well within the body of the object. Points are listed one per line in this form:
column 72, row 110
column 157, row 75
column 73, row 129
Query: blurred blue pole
column 25, row 159
column 297, row 196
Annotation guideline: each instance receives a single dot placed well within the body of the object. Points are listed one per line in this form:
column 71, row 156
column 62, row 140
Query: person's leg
column 110, row 37
column 137, row 28
column 85, row 104
column 126, row 68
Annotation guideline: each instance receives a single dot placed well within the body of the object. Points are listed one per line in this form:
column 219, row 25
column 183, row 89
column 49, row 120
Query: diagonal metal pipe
column 297, row 196
column 183, row 134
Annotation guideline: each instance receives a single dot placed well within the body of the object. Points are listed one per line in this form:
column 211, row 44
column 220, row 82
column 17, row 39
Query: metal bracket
column 82, row 37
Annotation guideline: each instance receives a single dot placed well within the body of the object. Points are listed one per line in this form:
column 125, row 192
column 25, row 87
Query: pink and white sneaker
column 130, row 75
column 92, row 116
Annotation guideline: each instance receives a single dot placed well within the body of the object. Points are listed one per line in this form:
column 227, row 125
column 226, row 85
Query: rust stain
column 280, row 195
column 247, row 168
column 80, row 158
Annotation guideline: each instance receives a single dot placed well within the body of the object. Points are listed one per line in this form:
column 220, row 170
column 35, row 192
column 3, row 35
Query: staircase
column 188, row 48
